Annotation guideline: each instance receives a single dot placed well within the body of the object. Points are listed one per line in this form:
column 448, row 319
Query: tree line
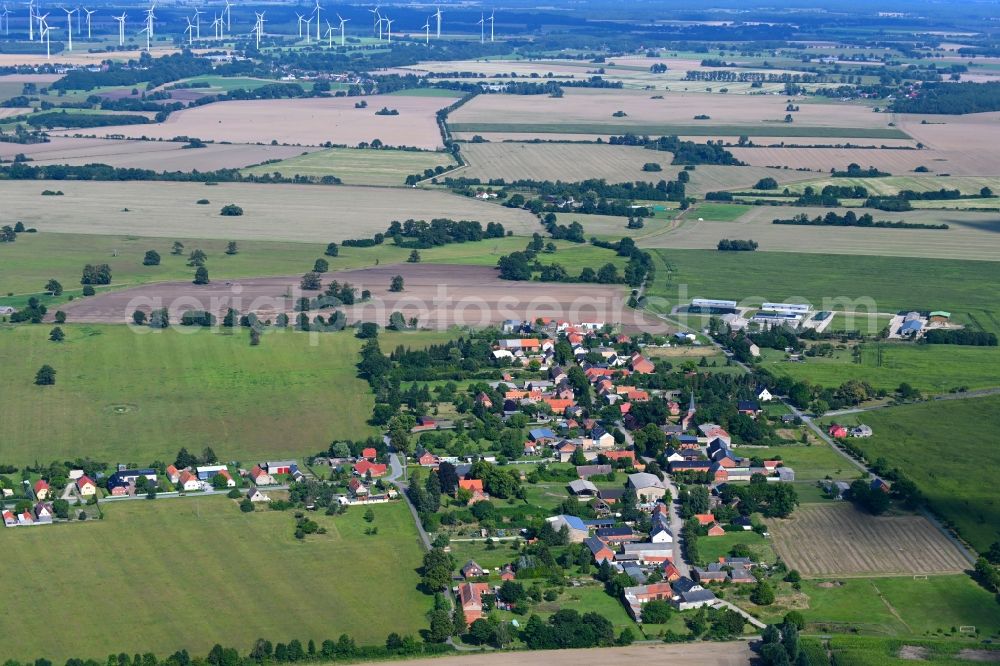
column 851, row 219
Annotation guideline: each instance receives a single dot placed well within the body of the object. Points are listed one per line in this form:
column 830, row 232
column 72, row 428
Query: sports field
column 358, row 167
column 122, row 396
column 188, row 573
column 933, row 443
column 839, row 540
column 307, row 213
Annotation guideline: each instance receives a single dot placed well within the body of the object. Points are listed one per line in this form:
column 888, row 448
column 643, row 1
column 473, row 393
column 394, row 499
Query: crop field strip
column 355, row 166
column 837, row 539
column 688, row 130
column 563, row 161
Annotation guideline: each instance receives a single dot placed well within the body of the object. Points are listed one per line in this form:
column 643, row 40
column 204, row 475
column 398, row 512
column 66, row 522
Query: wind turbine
column 43, row 33
column 343, row 42
column 229, row 16
column 437, row 15
column 216, row 24
column 149, row 27
column 427, row 32
column 300, row 24
column 482, row 28
column 89, row 12
column 388, row 28
column 31, row 20
column 492, row 21
column 259, row 27
column 189, row 30
column 121, row 29
column 317, row 10
column 329, row 35
column 69, row 25
column 5, row 21
column 79, row 21
column 377, row 26
column 309, row 27
column 197, row 22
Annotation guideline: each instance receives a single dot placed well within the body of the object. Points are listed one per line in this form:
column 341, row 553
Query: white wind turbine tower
column 229, row 16
column 197, row 22
column 377, row 25
column 69, row 25
column 121, row 29
column 491, row 20
column 388, row 29
column 31, row 21
column 5, row 21
column 318, row 10
column 189, row 30
column 259, row 27
column 300, row 24
column 79, row 22
column 216, row 23
column 43, row 33
column 427, row 31
column 89, row 12
column 329, row 35
column 343, row 41
column 482, row 28
column 309, row 27
column 437, row 15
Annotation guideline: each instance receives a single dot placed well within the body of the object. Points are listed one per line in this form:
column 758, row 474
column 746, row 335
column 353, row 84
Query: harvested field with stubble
column 305, row 122
column 567, row 162
column 155, row 155
column 838, row 540
column 356, row 166
column 439, row 295
column 586, row 111
column 970, row 235
column 309, row 213
column 823, row 159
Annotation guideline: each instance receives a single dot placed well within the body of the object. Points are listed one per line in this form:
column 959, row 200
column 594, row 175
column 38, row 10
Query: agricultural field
column 838, row 540
column 971, row 235
column 892, row 185
column 811, row 463
column 124, row 395
column 155, row 155
column 356, row 166
column 712, row 178
column 856, row 283
column 822, row 159
column 301, row 122
column 932, row 369
column 563, row 161
column 932, row 444
column 899, row 606
column 303, row 213
column 585, row 111
column 228, row 560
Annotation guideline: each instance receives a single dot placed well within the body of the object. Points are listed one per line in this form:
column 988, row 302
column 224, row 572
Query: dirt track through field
column 686, row 654
column 839, row 540
column 440, row 296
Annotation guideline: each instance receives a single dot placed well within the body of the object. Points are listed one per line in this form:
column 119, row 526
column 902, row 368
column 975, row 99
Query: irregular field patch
column 837, row 539
column 567, row 162
column 358, row 167
column 228, row 560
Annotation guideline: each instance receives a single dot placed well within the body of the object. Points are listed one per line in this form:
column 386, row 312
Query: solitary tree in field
column 53, row 287
column 88, row 290
column 321, row 266
column 152, row 258
column 46, row 376
column 311, row 281
column 231, row 210
column 197, row 258
column 57, row 335
column 396, row 284
column 139, row 318
column 178, row 248
column 332, row 250
column 60, row 317
column 414, row 257
column 231, row 248
column 201, row 275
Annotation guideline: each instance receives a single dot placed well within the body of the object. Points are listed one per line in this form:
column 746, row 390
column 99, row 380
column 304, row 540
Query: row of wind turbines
column 221, row 23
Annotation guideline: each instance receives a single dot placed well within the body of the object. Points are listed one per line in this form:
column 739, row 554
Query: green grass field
column 188, row 573
column 710, row 549
column 941, row 447
column 179, row 387
column 357, row 166
column 772, row 129
column 929, row 368
column 719, row 212
column 874, row 651
column 900, row 606
column 833, row 282
column 810, row 463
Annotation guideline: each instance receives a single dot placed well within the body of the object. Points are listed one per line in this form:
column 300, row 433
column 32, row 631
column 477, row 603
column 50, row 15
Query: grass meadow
column 122, row 396
column 940, row 445
column 188, row 573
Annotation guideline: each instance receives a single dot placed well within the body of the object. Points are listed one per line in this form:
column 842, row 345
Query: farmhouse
column 86, row 486
column 366, row 468
column 472, row 570
column 599, row 549
column 575, row 526
column 470, row 596
column 255, row 495
column 648, row 487
column 275, row 467
column 188, row 481
column 41, row 489
column 260, row 477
